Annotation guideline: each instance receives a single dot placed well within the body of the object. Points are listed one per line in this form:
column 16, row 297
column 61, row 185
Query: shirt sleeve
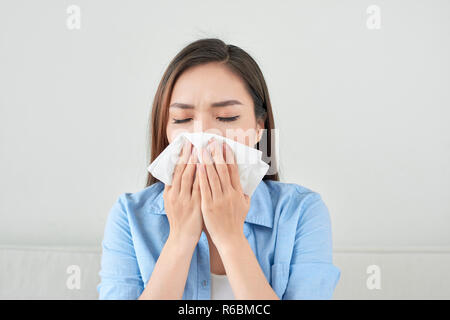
column 120, row 275
column 312, row 274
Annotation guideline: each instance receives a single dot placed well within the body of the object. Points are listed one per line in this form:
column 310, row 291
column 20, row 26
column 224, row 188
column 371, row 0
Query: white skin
column 211, row 199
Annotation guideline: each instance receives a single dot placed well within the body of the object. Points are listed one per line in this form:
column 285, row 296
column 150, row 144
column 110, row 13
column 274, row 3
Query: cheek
column 173, row 130
column 245, row 131
column 171, row 133
column 246, row 136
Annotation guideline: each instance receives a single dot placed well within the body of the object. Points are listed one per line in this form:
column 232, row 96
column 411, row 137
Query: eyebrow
column 215, row 104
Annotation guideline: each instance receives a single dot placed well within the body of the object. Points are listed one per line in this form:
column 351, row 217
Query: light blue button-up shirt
column 288, row 228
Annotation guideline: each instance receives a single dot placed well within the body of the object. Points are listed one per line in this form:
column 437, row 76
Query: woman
column 202, row 237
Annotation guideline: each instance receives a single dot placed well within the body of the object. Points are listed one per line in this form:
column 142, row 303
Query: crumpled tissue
column 250, row 165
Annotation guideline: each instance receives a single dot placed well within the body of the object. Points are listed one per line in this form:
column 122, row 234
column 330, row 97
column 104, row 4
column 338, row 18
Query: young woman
column 202, row 237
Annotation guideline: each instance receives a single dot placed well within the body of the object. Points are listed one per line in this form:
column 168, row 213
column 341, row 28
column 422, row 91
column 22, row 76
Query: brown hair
column 238, row 61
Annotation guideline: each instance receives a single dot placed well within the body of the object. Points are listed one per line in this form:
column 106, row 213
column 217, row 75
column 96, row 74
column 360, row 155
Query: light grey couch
column 405, row 273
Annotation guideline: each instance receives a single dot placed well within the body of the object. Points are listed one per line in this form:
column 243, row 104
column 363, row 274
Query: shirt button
column 204, row 282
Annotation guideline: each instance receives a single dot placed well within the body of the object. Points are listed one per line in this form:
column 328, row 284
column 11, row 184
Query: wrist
column 183, row 242
column 231, row 244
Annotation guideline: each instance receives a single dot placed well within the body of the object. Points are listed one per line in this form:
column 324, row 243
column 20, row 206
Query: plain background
column 363, row 114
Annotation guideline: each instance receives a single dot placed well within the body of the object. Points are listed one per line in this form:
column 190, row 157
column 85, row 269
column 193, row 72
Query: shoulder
column 129, row 208
column 147, row 199
column 293, row 193
column 296, row 202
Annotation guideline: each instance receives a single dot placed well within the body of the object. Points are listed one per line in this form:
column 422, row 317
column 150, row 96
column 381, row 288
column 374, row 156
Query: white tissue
column 251, row 168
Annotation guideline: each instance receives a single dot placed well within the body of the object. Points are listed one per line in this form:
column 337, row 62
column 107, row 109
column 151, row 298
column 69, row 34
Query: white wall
column 363, row 114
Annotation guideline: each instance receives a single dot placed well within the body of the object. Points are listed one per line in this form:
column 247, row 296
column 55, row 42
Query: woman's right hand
column 182, row 201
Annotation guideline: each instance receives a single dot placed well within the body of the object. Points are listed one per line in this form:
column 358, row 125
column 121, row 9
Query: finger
column 187, row 177
column 232, row 167
column 196, row 185
column 166, row 189
column 213, row 177
column 205, row 190
column 181, row 164
column 221, row 166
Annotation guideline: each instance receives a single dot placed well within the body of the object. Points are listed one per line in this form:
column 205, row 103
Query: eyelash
column 220, row 119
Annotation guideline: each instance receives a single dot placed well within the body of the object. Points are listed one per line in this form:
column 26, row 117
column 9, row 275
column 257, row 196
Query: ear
column 260, row 129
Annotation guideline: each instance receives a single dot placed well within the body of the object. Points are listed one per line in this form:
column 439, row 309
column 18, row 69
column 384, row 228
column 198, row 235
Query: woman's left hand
column 224, row 206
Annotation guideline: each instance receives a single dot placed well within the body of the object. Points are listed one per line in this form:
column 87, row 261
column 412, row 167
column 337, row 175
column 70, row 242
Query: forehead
column 209, row 82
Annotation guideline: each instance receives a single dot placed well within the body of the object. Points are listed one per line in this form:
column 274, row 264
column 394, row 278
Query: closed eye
column 228, row 119
column 220, row 119
column 181, row 121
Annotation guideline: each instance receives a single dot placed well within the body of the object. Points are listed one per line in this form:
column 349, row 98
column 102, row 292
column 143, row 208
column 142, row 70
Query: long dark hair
column 238, row 61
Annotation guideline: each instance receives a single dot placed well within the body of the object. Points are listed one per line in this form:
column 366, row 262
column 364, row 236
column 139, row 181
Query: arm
column 224, row 208
column 312, row 274
column 169, row 275
column 244, row 272
column 120, row 273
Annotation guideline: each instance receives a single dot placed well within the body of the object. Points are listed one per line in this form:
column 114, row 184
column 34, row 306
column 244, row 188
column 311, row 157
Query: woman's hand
column 182, row 199
column 224, row 206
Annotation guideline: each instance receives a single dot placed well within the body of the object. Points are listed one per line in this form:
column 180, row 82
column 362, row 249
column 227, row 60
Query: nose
column 205, row 124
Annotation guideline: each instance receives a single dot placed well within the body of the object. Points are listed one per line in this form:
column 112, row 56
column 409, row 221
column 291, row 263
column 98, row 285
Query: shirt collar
column 261, row 207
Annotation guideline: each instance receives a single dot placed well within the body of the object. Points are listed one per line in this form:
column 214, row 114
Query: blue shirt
column 288, row 228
